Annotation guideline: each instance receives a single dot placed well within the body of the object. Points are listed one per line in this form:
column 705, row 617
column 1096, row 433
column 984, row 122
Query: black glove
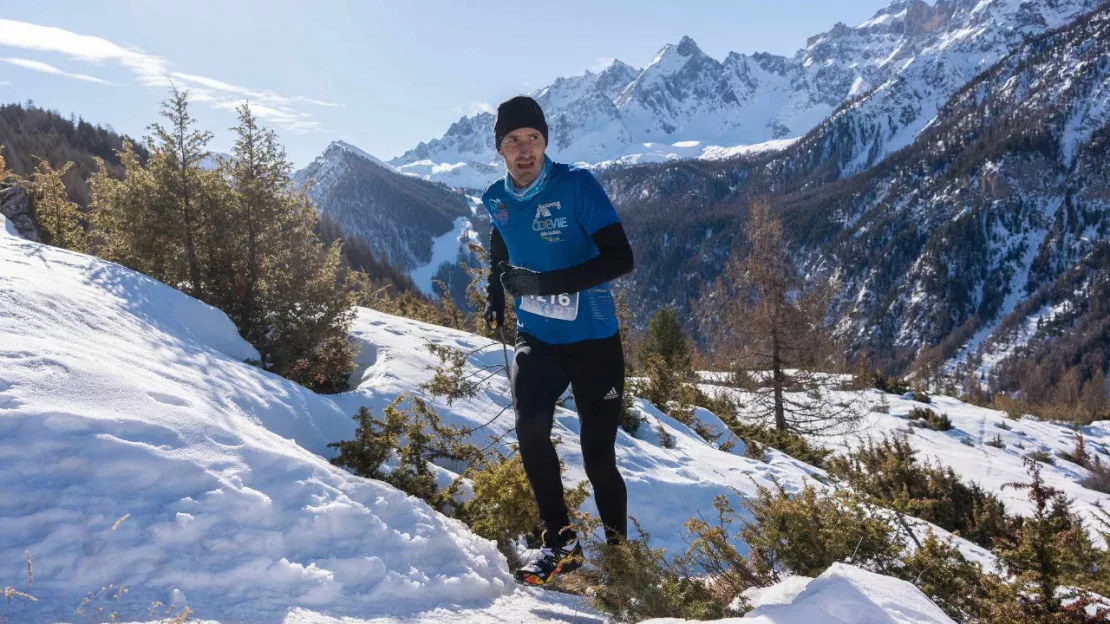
column 495, row 309
column 520, row 281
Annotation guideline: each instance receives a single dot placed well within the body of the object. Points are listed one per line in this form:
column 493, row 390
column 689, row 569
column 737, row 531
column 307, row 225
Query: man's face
column 523, row 150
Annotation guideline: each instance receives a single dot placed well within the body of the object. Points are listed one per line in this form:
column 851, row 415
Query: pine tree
column 130, row 226
column 666, row 339
column 220, row 249
column 308, row 308
column 175, row 156
column 59, row 219
column 241, row 238
column 259, row 176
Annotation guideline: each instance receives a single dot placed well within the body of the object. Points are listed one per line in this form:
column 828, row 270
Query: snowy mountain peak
column 339, row 147
column 672, row 58
column 687, row 47
column 615, row 77
column 906, row 61
column 617, row 65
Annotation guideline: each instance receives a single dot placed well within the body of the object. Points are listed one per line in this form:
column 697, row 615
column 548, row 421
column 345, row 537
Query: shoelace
column 549, row 551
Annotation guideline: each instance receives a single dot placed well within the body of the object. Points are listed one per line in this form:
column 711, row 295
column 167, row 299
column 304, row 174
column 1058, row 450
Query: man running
column 555, row 243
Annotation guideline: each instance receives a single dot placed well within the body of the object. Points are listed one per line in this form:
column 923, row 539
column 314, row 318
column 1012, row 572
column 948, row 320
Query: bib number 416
column 563, row 306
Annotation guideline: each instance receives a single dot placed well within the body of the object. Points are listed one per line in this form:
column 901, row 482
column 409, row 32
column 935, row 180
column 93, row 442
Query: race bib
column 563, row 307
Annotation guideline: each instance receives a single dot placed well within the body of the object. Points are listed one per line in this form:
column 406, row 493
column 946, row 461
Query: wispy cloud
column 155, row 71
column 151, row 69
column 603, row 63
column 301, row 98
column 47, row 68
column 292, row 120
column 480, row 107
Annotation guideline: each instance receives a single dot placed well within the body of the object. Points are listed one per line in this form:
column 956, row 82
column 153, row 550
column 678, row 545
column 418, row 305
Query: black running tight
column 595, row 371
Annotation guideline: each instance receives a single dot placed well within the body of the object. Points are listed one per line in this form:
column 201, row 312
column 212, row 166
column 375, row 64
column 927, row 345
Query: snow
column 781, row 593
column 138, row 447
column 363, row 153
column 1092, row 112
column 1030, row 242
column 844, row 594
column 464, row 175
column 680, row 99
column 445, row 250
column 964, row 448
column 883, row 18
column 120, row 396
column 715, row 152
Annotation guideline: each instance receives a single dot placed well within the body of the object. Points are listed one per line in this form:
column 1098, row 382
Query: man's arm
column 615, row 259
column 498, row 257
column 494, row 313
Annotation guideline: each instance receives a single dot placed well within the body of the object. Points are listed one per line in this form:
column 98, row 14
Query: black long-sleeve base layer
column 595, row 371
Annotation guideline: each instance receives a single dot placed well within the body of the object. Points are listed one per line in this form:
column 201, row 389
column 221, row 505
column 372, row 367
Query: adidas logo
column 612, row 394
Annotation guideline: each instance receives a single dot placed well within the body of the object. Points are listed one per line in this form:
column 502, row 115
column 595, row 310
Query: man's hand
column 495, row 311
column 520, row 281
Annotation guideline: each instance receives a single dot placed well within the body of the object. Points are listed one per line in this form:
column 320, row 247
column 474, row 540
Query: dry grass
column 170, row 615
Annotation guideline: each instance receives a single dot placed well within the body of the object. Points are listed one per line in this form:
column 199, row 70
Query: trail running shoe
column 550, row 562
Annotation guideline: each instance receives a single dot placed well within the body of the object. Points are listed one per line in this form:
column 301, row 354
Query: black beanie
column 515, row 113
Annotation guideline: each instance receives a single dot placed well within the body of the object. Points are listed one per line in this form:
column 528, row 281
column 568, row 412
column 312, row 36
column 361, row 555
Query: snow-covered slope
column 139, row 449
column 965, row 448
column 844, row 594
column 121, row 397
column 894, row 71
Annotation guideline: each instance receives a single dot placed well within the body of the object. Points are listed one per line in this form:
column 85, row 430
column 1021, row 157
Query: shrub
column 326, row 369
column 713, row 552
column 425, row 439
column 450, row 379
column 630, row 421
column 922, row 397
column 883, row 406
column 892, row 384
column 1042, row 456
column 806, row 533
column 996, row 441
column 757, row 436
column 941, row 572
column 1079, row 454
column 503, row 507
column 666, row 440
column 889, row 473
column 1051, row 551
column 1099, row 480
column 643, row 583
column 925, row 417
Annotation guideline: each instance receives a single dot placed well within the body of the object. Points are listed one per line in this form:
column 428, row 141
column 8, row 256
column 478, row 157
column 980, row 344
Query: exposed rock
column 16, row 207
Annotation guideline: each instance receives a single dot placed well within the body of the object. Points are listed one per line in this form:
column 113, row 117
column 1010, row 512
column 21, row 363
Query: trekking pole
column 508, row 369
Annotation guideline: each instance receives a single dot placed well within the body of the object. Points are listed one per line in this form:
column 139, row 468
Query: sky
column 381, row 75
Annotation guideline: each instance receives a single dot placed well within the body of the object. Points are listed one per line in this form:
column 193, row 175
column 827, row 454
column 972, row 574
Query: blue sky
column 382, row 75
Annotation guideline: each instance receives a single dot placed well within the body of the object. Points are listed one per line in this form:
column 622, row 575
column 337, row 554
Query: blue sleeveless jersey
column 548, row 229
